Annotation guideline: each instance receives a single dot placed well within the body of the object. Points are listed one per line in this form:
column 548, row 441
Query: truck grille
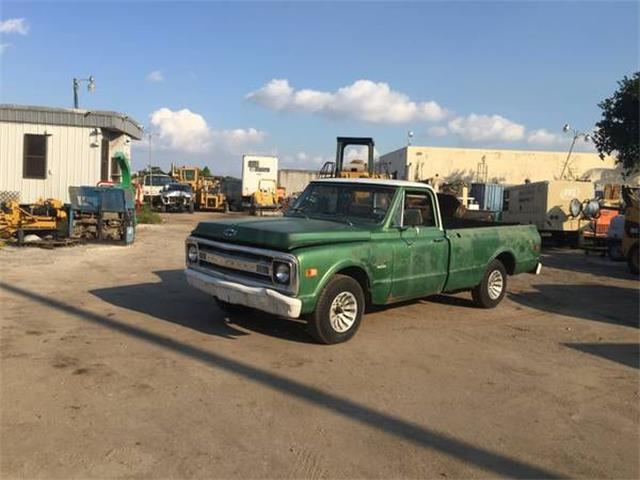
column 248, row 264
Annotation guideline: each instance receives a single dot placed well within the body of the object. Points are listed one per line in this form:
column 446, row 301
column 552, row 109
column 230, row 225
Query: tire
column 233, row 309
column 485, row 295
column 325, row 324
column 632, row 259
column 614, row 251
column 191, row 208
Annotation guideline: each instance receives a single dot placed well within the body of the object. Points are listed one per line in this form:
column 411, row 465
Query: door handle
column 438, row 240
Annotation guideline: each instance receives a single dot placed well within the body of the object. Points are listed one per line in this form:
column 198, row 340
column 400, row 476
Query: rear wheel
column 339, row 311
column 490, row 292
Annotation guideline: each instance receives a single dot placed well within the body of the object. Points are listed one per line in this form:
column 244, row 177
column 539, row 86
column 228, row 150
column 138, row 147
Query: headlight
column 192, row 253
column 282, row 273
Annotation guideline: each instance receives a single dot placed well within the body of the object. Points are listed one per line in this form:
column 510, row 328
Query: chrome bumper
column 260, row 298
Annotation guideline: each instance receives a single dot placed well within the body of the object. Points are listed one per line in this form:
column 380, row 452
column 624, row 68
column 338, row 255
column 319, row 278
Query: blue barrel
column 488, row 195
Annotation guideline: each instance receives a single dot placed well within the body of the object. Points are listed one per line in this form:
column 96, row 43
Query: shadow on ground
column 624, row 353
column 585, row 302
column 579, row 262
column 405, row 430
column 173, row 300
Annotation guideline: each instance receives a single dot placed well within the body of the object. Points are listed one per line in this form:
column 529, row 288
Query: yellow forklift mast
column 357, row 168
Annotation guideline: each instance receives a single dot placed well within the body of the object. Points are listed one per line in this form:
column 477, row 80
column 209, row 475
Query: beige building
column 511, row 167
column 44, row 151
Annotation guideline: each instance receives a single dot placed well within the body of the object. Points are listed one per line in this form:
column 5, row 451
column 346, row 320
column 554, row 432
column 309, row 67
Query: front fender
column 328, row 262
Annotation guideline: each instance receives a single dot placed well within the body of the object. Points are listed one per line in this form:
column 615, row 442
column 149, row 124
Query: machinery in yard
column 102, row 213
column 208, row 192
column 547, row 206
column 356, row 168
column 631, row 237
column 260, row 184
column 45, row 217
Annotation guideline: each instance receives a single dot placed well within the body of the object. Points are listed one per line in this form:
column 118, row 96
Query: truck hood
column 284, row 233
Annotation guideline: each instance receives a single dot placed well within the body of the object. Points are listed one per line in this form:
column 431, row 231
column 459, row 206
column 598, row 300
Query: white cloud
column 14, row 25
column 155, row 76
column 544, row 138
column 187, row 131
column 483, row 128
column 239, row 139
column 437, row 131
column 364, row 100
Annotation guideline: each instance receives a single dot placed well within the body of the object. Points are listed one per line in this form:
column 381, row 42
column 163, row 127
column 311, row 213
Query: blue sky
column 214, row 80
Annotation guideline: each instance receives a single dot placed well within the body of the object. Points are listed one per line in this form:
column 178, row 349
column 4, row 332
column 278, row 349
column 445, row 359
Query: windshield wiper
column 299, row 210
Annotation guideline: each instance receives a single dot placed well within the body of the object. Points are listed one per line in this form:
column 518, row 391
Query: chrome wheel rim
column 343, row 312
column 495, row 284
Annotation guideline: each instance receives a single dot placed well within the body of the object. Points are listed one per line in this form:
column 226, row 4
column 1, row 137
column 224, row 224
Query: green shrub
column 146, row 215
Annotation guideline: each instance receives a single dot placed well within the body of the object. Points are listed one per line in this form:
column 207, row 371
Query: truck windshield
column 157, row 180
column 351, row 202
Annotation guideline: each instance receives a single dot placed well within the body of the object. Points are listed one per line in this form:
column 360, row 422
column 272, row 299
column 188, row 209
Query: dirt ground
column 113, row 367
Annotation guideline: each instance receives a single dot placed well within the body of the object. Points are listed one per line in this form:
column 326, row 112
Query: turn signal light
column 311, row 272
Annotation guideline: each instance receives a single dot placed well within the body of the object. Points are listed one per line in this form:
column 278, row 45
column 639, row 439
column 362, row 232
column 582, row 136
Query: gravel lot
column 113, row 367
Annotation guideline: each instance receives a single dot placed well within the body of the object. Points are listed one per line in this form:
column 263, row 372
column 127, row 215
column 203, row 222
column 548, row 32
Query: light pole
column 569, row 130
column 149, row 135
column 91, row 86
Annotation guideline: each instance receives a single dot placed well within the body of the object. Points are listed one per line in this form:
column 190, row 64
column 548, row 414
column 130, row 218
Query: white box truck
column 259, row 182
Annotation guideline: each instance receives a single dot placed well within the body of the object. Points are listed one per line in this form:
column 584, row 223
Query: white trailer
column 259, row 181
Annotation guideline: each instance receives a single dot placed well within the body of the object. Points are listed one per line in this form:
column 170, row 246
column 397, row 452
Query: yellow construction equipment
column 356, row 168
column 208, row 191
column 44, row 216
column 631, row 238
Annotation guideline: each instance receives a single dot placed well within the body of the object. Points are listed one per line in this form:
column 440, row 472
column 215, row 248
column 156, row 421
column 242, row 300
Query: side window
column 35, row 156
column 418, row 210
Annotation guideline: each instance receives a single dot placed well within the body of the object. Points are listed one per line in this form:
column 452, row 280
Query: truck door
column 421, row 253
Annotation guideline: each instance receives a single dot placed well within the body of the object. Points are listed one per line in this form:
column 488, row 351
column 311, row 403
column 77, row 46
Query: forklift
column 356, row 168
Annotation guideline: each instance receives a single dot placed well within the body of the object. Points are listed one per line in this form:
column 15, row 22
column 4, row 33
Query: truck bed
column 474, row 243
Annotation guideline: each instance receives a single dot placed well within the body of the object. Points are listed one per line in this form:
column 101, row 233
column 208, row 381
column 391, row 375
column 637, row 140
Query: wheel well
column 360, row 276
column 509, row 262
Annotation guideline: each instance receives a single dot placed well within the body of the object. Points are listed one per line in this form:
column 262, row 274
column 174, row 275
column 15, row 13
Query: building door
column 104, row 161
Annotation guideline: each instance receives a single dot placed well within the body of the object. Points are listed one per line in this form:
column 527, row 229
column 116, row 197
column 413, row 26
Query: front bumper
column 260, row 298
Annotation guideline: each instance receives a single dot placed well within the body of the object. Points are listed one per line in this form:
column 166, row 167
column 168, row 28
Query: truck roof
column 374, row 181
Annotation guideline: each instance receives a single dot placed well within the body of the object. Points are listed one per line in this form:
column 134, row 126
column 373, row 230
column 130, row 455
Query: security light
column 566, row 128
column 91, row 86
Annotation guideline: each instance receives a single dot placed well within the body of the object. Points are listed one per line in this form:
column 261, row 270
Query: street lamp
column 409, row 137
column 91, row 86
column 569, row 130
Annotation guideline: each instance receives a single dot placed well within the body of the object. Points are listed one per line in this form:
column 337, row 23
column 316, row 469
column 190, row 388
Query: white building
column 44, row 151
column 511, row 167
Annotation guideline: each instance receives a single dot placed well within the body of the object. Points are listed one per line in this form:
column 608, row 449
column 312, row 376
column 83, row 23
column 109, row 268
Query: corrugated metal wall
column 71, row 160
column 295, row 181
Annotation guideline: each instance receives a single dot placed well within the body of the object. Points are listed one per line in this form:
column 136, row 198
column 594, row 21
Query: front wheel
column 490, row 292
column 339, row 311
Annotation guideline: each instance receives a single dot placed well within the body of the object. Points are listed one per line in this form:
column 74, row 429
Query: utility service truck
column 346, row 244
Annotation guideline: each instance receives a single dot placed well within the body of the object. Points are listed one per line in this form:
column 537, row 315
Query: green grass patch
column 146, row 215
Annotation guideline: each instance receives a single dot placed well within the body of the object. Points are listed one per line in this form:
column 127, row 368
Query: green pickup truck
column 349, row 243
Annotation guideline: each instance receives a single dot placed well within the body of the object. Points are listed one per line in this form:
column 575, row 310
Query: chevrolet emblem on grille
column 229, row 232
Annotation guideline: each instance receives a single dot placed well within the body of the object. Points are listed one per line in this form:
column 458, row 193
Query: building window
column 35, row 156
